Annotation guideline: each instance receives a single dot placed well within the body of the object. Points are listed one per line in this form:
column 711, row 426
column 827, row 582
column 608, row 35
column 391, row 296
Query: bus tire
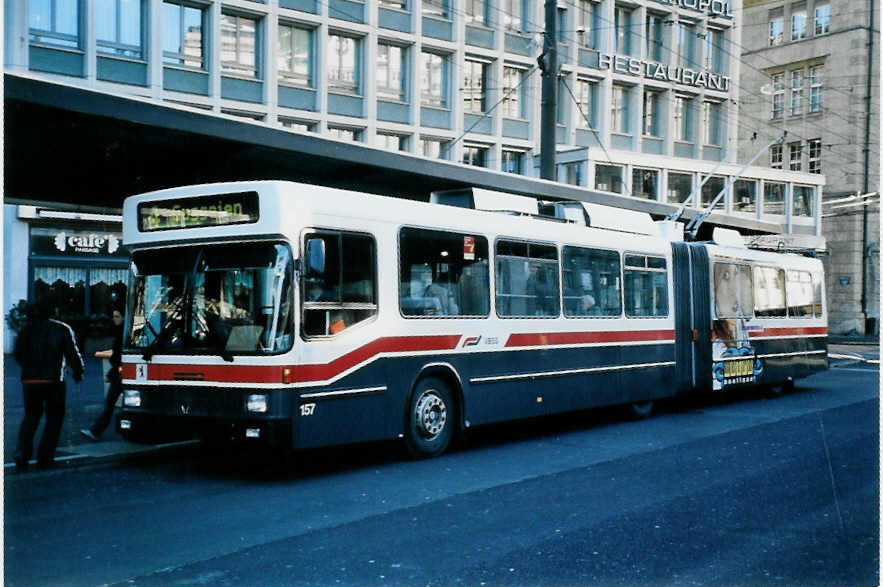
column 640, row 410
column 431, row 418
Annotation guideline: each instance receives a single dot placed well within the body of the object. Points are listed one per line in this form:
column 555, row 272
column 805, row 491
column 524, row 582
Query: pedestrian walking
column 45, row 347
column 113, row 377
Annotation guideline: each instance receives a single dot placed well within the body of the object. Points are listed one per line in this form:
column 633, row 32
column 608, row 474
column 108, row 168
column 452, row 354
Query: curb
column 91, row 456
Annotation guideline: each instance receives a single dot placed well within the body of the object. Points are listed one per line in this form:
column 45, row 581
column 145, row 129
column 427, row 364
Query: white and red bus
column 302, row 316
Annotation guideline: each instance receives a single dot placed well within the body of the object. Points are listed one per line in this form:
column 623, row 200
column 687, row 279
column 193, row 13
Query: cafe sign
column 63, row 242
column 666, row 73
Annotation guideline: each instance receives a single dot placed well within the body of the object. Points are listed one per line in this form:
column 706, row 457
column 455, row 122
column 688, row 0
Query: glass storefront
column 82, row 272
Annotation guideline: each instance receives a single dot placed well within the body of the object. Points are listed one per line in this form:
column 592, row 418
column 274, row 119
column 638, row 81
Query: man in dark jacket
column 43, row 349
column 113, row 377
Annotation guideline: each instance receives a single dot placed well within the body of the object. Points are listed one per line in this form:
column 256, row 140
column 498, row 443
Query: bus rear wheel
column 431, row 419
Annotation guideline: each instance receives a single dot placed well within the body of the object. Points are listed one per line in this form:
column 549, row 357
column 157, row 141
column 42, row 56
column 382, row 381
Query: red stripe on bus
column 790, row 331
column 553, row 338
column 397, row 344
column 303, row 373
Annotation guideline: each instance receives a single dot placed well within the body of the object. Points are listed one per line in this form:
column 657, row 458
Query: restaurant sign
column 661, row 72
column 710, row 7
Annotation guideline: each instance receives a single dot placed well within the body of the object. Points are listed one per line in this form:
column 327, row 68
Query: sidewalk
column 85, row 401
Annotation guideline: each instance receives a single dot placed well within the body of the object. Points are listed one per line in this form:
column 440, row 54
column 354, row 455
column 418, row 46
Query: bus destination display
column 214, row 210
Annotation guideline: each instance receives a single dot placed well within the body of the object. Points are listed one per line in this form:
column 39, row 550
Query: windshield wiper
column 177, row 311
column 174, row 317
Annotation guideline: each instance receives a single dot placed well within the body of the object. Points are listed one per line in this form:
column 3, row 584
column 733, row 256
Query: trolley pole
column 548, row 62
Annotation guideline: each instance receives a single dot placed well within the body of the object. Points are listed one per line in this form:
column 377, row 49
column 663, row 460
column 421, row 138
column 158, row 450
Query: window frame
column 290, row 76
column 118, row 49
column 514, row 93
column 798, row 24
column 180, row 58
column 776, row 30
column 451, row 232
column 821, row 19
column 470, row 95
column 496, row 280
column 427, row 97
column 237, row 68
column 647, row 269
column 305, row 235
column 339, row 86
column 52, row 36
column 755, row 267
column 385, row 92
column 563, row 252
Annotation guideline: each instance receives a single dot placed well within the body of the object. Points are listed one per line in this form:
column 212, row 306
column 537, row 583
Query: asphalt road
column 739, row 490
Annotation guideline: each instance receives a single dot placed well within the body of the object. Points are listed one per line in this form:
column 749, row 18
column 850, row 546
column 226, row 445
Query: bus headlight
column 256, row 403
column 132, row 398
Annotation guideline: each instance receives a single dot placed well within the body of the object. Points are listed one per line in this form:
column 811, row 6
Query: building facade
column 810, row 68
column 648, row 101
column 646, row 96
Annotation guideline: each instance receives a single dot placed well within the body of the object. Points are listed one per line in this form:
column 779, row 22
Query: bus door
column 692, row 316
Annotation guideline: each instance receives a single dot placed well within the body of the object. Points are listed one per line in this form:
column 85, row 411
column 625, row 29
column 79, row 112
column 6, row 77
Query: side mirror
column 314, row 258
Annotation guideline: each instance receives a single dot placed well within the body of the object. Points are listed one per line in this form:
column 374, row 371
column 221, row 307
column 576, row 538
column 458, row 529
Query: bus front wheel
column 431, row 418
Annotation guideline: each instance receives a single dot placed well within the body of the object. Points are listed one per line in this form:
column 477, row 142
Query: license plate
column 740, row 368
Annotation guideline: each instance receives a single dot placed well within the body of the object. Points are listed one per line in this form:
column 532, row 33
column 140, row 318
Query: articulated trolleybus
column 301, row 316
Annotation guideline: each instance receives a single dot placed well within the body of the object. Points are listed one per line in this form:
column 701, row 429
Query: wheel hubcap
column 430, row 414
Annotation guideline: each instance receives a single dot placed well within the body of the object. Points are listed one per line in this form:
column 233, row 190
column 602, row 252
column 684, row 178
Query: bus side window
column 442, row 274
column 769, row 292
column 645, row 287
column 339, row 291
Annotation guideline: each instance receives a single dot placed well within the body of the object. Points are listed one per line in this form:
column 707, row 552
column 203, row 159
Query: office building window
column 608, row 178
column 816, row 79
column 622, row 23
column 653, row 36
column 777, row 29
column 118, row 28
column 239, row 45
column 798, row 24
column 711, row 189
column 745, row 196
column 712, row 122
column 476, row 12
column 778, row 90
column 295, row 59
column 475, row 155
column 682, row 118
column 299, row 125
column 776, row 156
column 434, row 148
column 803, row 201
column 397, row 4
column 512, row 161
column 587, row 97
column 571, row 173
column 392, row 141
column 645, row 183
column 651, row 121
column 822, row 19
column 587, row 25
column 815, row 155
column 773, row 198
column 795, row 156
column 391, row 72
column 686, row 53
column 342, row 60
column 564, row 31
column 679, row 187
column 796, row 92
column 435, row 8
column 183, row 42
column 345, row 133
column 619, row 109
column 433, row 80
column 474, row 86
column 513, row 93
column 54, row 22
column 714, row 50
column 512, row 11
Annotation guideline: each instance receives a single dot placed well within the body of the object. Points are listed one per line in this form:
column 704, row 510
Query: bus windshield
column 218, row 299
